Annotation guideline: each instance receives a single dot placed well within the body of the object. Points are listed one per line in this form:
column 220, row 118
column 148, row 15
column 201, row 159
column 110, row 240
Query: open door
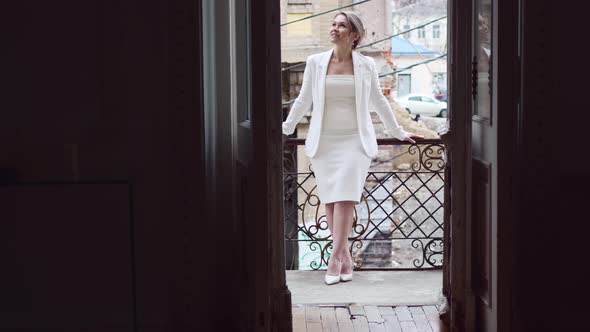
column 241, row 105
column 495, row 106
column 243, row 160
column 484, row 102
column 483, row 219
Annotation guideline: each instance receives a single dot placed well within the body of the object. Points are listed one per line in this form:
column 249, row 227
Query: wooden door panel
column 484, row 160
column 66, row 257
column 481, row 231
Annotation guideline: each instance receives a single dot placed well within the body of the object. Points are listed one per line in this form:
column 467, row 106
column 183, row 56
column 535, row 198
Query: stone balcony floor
column 382, row 288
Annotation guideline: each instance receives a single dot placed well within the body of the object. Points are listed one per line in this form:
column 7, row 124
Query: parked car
column 423, row 105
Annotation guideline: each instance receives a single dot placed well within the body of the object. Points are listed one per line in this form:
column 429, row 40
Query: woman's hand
column 409, row 137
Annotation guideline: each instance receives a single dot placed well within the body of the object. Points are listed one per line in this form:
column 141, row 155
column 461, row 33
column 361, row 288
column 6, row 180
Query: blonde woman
column 340, row 84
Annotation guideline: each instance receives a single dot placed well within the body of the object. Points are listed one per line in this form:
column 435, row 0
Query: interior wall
column 551, row 228
column 95, row 151
column 105, row 142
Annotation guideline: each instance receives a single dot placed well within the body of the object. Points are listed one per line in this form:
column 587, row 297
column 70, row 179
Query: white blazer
column 367, row 90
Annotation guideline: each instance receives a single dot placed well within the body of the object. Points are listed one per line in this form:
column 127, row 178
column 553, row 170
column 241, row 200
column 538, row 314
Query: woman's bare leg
column 346, row 223
column 333, row 269
column 330, row 216
column 342, row 224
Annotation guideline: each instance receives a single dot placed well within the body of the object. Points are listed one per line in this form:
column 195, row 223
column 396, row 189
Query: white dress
column 340, row 164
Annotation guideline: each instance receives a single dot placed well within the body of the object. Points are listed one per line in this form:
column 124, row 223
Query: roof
column 400, row 45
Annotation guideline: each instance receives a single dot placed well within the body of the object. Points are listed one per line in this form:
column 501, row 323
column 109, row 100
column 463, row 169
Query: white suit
column 367, row 90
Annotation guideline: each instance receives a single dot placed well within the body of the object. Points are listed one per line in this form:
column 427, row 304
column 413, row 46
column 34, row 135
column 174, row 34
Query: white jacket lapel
column 322, row 71
column 358, row 84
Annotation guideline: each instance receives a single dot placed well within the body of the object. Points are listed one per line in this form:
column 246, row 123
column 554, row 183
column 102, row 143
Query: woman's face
column 341, row 31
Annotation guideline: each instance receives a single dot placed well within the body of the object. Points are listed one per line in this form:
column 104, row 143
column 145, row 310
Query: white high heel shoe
column 332, row 279
column 347, row 276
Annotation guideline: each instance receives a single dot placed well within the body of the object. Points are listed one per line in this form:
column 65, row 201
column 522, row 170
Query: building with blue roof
column 428, row 79
column 401, row 46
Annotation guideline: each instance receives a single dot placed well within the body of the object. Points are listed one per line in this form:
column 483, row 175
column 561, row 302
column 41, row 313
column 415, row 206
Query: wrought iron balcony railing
column 397, row 225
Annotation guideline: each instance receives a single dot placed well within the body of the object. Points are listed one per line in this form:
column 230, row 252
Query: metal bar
column 294, row 66
column 380, row 141
column 325, row 12
column 414, row 65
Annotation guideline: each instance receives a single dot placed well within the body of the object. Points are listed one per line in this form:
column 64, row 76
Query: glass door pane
column 482, row 57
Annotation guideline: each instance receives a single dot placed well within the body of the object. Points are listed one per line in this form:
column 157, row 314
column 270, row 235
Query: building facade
column 429, row 78
column 419, row 45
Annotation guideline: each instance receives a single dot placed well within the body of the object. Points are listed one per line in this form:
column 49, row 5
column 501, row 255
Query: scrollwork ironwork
column 431, row 157
column 358, row 262
column 418, row 262
column 324, row 254
column 400, row 205
column 434, row 248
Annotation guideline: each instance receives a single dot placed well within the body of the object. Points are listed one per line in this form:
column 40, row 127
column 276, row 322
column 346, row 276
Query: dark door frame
column 273, row 298
column 458, row 141
column 272, row 302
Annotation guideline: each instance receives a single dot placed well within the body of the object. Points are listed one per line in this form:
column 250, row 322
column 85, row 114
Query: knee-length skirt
column 340, row 167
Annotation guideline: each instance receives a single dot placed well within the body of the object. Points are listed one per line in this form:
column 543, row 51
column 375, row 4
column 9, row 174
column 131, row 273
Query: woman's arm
column 303, row 102
column 383, row 108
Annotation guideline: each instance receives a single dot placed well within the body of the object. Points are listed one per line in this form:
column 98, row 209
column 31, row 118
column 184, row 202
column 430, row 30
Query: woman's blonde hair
column 356, row 26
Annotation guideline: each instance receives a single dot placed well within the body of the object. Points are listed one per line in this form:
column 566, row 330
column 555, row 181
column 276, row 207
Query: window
column 436, row 31
column 404, row 3
column 414, row 98
column 439, row 82
column 301, row 28
column 404, row 84
column 428, row 99
column 409, row 33
column 421, row 33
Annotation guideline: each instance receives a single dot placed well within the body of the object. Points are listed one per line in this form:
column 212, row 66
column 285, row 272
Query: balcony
column 398, row 225
column 397, row 239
